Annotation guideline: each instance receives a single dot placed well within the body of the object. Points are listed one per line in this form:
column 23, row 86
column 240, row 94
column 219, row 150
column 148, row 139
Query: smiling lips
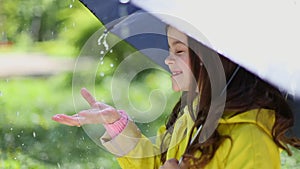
column 175, row 73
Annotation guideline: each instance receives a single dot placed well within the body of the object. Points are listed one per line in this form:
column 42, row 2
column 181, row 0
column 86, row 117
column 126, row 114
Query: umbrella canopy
column 140, row 29
column 261, row 36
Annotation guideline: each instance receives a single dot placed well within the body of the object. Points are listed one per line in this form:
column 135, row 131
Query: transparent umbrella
column 261, row 36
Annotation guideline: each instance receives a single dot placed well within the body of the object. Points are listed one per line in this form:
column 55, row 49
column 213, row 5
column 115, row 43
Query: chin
column 176, row 88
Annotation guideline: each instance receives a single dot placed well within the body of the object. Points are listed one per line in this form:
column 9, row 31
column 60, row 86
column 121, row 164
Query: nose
column 169, row 60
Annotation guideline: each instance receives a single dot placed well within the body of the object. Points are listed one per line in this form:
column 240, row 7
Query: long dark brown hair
column 245, row 91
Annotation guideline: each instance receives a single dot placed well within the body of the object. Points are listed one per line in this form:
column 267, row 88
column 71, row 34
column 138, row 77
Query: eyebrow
column 176, row 42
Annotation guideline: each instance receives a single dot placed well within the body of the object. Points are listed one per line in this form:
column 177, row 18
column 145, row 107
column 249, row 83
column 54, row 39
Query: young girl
column 250, row 133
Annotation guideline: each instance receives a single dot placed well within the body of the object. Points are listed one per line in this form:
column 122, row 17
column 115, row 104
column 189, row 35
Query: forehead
column 175, row 35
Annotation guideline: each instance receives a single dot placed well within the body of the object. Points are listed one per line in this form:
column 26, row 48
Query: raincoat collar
column 263, row 118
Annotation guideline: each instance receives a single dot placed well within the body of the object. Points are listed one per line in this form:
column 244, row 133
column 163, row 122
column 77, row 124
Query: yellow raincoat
column 251, row 145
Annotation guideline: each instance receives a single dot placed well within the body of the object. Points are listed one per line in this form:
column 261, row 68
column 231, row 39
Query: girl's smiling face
column 179, row 60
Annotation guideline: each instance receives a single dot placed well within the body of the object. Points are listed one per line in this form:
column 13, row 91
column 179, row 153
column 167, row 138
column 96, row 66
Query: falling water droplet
column 101, row 58
column 58, row 165
column 101, row 52
column 102, row 74
column 111, row 65
column 18, row 136
column 111, row 51
column 23, row 144
column 71, row 6
column 11, row 129
column 102, row 62
column 17, row 113
column 33, row 134
column 102, row 40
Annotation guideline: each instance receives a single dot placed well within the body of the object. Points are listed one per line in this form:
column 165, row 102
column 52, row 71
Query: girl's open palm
column 98, row 113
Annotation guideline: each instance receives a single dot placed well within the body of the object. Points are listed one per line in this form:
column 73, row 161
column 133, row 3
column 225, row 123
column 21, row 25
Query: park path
column 33, row 65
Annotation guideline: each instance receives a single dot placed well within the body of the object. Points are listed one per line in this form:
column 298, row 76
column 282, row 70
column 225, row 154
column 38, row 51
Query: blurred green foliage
column 51, row 26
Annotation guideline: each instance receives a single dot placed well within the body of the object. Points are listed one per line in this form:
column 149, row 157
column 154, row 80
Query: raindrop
column 15, row 158
column 58, row 165
column 33, row 134
column 102, row 74
column 111, row 65
column 102, row 40
column 18, row 136
column 23, row 144
column 17, row 113
column 101, row 62
column 101, row 58
column 11, row 129
column 111, row 51
column 101, row 52
column 22, row 131
column 71, row 6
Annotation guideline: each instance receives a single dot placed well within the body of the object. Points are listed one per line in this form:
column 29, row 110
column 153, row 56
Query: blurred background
column 40, row 42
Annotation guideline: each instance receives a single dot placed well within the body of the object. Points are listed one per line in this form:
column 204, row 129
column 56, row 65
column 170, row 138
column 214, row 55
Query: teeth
column 176, row 73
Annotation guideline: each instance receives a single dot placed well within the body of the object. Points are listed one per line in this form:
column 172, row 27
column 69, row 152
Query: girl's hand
column 98, row 113
column 170, row 164
column 174, row 164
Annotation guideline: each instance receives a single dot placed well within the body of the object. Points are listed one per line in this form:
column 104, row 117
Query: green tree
column 68, row 23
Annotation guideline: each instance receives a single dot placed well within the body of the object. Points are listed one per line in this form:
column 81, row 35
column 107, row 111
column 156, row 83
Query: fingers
column 88, row 96
column 68, row 120
column 91, row 100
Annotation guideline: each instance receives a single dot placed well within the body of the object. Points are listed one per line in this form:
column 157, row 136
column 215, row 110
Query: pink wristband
column 118, row 126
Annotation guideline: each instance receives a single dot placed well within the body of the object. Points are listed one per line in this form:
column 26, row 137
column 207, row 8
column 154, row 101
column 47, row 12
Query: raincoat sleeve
column 134, row 150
